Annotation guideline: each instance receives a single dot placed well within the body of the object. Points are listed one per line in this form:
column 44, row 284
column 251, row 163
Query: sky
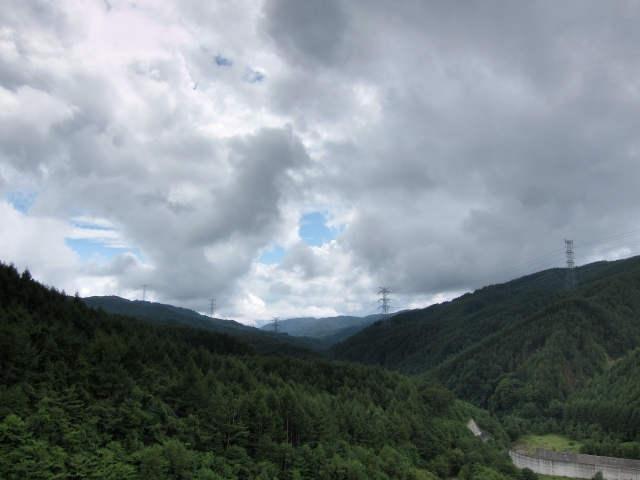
column 290, row 158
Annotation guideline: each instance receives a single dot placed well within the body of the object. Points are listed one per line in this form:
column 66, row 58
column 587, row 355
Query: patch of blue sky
column 222, row 61
column 254, row 77
column 92, row 250
column 273, row 256
column 90, row 224
column 314, row 231
column 22, row 200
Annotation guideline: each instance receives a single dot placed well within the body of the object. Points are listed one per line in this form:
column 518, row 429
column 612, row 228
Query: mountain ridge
column 88, row 394
column 504, row 346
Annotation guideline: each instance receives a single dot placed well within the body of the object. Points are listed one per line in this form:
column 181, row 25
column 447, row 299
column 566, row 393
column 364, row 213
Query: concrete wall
column 477, row 431
column 555, row 463
column 589, row 459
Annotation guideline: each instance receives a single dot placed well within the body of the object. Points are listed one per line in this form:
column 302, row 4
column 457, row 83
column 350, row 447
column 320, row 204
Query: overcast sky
column 288, row 158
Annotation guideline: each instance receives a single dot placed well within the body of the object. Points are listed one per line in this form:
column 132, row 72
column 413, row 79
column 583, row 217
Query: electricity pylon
column 572, row 283
column 385, row 305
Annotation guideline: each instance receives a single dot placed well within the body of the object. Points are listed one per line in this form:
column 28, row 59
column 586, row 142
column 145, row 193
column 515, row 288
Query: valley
column 144, row 390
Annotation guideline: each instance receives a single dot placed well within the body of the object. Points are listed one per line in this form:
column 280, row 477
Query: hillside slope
column 160, row 312
column 263, row 341
column 611, row 400
column 86, row 394
column 523, row 342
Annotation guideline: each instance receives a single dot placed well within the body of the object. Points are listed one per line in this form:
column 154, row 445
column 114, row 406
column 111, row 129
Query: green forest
column 87, row 394
column 540, row 359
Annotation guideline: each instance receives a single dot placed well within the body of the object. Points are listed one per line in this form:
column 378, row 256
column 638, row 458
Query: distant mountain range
column 161, row 311
column 329, row 329
column 308, row 333
column 263, row 342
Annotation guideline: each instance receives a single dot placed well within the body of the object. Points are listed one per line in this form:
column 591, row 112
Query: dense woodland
column 86, row 394
column 543, row 360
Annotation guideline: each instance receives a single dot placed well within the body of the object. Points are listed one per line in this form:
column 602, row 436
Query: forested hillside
column 162, row 312
column 606, row 412
column 86, row 394
column 516, row 347
column 262, row 341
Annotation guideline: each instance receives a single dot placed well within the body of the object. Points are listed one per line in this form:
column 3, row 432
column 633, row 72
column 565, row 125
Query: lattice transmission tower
column 275, row 324
column 572, row 283
column 212, row 306
column 144, row 292
column 385, row 306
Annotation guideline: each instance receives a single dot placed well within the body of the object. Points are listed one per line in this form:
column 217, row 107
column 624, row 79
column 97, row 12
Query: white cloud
column 444, row 144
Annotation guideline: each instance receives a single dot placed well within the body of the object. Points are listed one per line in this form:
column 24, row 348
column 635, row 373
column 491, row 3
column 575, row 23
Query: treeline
column 420, row 340
column 611, row 448
column 553, row 373
column 85, row 394
column 532, row 354
column 606, row 412
column 261, row 341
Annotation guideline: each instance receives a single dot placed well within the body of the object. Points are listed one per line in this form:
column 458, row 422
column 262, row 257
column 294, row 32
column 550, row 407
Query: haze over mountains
column 329, row 329
column 305, row 332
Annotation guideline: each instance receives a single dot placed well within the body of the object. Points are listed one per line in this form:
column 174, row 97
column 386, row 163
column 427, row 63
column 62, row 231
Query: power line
column 477, row 296
column 609, row 249
column 548, row 259
column 602, row 240
column 544, row 258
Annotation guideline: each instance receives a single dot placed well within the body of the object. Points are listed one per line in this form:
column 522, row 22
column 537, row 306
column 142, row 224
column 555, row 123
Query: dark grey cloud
column 311, row 30
column 504, row 142
column 250, row 203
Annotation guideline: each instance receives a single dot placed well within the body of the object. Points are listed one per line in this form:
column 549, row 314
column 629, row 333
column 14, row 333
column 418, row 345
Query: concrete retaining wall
column 477, row 431
column 577, row 466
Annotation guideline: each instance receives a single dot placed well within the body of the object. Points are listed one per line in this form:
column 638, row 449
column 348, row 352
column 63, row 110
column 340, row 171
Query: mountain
column 163, row 312
column 516, row 347
column 311, row 333
column 88, row 394
column 262, row 341
column 324, row 328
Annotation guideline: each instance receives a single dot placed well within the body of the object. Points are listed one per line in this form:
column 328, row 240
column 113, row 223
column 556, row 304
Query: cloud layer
column 177, row 142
